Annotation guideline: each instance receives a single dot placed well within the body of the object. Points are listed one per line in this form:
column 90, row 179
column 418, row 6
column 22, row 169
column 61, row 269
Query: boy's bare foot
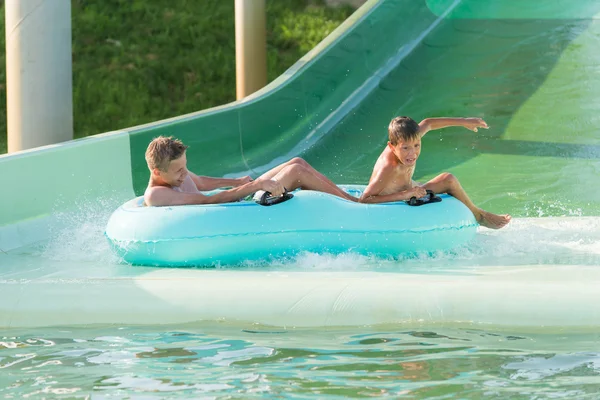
column 493, row 221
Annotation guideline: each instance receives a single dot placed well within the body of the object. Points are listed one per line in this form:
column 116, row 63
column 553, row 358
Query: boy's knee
column 298, row 161
column 449, row 178
column 294, row 169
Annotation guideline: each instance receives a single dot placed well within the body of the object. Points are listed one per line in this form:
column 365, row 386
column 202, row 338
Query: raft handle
column 267, row 200
column 424, row 200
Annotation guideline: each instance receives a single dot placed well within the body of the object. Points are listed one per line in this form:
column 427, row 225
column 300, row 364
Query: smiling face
column 407, row 151
column 167, row 161
column 175, row 173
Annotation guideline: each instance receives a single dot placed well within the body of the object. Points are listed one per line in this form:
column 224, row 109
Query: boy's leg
column 331, row 187
column 447, row 183
column 296, row 160
column 296, row 176
column 312, row 170
column 274, row 171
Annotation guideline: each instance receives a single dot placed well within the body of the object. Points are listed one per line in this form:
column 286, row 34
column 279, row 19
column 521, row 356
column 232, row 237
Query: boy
column 172, row 184
column 391, row 179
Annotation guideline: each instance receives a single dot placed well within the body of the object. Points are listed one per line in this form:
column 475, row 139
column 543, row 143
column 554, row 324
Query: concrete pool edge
column 549, row 296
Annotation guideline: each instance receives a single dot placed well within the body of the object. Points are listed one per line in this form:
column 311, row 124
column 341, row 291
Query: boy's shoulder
column 153, row 189
column 386, row 166
column 387, row 159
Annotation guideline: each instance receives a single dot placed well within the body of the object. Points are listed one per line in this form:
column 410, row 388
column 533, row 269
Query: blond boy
column 171, row 183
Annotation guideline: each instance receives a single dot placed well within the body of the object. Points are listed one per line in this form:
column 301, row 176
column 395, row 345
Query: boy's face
column 407, row 152
column 176, row 172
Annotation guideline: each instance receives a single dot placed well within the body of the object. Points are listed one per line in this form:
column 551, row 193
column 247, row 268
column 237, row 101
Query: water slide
column 531, row 71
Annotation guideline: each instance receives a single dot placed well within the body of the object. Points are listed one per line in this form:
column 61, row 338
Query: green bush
column 138, row 61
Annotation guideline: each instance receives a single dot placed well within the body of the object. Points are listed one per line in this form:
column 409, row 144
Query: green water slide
column 531, row 71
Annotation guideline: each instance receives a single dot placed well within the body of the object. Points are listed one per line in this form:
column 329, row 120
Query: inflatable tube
column 224, row 234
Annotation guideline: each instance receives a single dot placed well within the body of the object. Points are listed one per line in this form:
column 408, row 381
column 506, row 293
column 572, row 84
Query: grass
column 138, row 61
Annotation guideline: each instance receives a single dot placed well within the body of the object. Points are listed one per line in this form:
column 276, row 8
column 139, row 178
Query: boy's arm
column 205, row 183
column 163, row 196
column 378, row 183
column 387, row 198
column 429, row 124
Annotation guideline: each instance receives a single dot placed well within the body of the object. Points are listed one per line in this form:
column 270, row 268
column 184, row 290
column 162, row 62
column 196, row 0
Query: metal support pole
column 39, row 103
column 250, row 46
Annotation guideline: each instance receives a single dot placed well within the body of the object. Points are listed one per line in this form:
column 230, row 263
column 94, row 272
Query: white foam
column 78, row 236
column 526, row 241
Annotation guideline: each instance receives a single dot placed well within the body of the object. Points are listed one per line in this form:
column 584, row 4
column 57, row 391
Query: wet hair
column 162, row 150
column 403, row 129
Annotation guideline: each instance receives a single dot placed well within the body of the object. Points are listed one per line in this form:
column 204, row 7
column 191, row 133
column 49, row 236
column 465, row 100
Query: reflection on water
column 231, row 361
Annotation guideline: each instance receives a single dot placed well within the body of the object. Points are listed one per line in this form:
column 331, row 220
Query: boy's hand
column 417, row 192
column 272, row 186
column 474, row 123
column 243, row 180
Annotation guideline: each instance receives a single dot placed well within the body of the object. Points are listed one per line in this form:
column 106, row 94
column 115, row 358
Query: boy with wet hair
column 391, row 179
column 171, row 183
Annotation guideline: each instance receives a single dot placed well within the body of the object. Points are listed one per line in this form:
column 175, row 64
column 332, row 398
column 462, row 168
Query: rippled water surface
column 257, row 362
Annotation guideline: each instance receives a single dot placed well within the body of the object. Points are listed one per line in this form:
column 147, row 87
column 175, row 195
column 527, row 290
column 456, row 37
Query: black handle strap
column 268, row 200
column 429, row 198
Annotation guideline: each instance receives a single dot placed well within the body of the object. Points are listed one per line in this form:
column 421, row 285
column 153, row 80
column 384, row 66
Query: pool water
column 228, row 360
column 536, row 83
column 213, row 361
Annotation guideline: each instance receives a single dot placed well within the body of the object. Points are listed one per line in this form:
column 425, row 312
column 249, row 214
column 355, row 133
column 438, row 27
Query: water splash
column 526, row 241
column 78, row 235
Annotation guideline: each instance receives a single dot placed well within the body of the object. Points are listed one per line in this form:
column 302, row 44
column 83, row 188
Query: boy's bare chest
column 400, row 180
column 403, row 174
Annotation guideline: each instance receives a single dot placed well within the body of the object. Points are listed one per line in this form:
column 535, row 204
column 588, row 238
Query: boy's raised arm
column 429, row 124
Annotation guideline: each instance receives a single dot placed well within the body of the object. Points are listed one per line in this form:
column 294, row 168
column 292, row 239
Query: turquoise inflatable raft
column 225, row 234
